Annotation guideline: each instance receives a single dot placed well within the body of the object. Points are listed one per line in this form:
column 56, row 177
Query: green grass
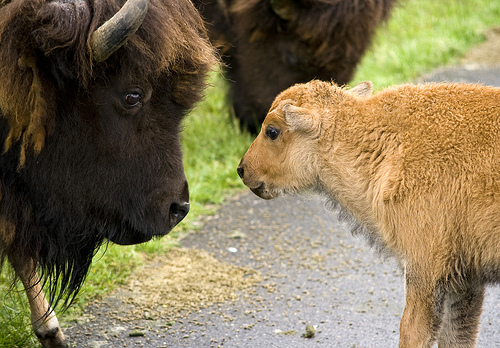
column 424, row 34
column 421, row 35
column 15, row 328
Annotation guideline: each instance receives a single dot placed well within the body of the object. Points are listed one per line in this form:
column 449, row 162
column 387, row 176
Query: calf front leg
column 422, row 314
column 43, row 319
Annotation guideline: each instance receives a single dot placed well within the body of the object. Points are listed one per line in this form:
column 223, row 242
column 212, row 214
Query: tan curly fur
column 418, row 168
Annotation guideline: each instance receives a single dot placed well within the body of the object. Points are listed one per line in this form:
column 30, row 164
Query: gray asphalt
column 315, row 272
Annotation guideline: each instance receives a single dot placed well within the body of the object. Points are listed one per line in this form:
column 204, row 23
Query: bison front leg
column 462, row 312
column 43, row 319
column 422, row 313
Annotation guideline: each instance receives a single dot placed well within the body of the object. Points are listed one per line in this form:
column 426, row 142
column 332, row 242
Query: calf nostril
column 178, row 211
column 241, row 172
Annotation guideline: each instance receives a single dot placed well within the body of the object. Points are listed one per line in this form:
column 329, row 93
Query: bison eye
column 272, row 132
column 133, row 99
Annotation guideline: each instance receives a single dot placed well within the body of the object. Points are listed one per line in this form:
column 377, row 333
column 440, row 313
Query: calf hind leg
column 461, row 315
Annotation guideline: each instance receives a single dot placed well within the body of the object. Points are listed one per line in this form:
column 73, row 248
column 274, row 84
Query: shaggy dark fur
column 79, row 165
column 265, row 53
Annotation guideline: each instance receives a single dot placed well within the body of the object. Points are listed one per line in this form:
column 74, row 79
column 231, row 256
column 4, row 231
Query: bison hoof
column 53, row 338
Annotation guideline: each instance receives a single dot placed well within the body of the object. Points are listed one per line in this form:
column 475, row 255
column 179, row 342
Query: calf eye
column 133, row 99
column 272, row 132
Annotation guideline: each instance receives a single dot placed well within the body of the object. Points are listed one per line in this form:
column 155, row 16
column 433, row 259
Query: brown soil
column 486, row 53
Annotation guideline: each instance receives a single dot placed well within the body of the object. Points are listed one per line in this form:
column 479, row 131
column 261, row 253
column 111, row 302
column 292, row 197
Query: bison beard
column 270, row 45
column 91, row 149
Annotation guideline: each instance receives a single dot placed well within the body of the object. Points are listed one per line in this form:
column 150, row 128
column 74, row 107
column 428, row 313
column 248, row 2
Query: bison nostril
column 240, row 171
column 178, row 211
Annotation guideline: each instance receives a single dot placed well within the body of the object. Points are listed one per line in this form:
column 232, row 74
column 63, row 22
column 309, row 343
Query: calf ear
column 362, row 89
column 302, row 119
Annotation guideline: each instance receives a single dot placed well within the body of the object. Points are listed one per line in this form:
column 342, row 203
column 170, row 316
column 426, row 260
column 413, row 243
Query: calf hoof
column 53, row 338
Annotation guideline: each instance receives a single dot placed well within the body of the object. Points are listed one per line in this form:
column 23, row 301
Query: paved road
column 315, row 272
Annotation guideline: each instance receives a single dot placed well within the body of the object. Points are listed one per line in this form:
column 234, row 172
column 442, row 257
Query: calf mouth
column 263, row 192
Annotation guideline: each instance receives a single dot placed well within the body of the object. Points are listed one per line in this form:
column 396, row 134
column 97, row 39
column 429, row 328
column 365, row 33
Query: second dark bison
column 269, row 45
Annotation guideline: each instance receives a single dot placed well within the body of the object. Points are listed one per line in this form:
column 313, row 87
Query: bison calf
column 418, row 167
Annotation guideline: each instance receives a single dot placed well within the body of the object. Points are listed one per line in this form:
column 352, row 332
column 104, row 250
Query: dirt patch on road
column 182, row 281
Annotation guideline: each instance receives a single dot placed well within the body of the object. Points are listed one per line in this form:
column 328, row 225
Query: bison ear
column 302, row 119
column 362, row 89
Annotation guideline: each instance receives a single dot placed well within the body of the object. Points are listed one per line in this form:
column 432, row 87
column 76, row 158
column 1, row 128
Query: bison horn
column 285, row 9
column 111, row 35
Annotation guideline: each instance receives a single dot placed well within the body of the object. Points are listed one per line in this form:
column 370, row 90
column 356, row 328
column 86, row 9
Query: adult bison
column 91, row 97
column 269, row 45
